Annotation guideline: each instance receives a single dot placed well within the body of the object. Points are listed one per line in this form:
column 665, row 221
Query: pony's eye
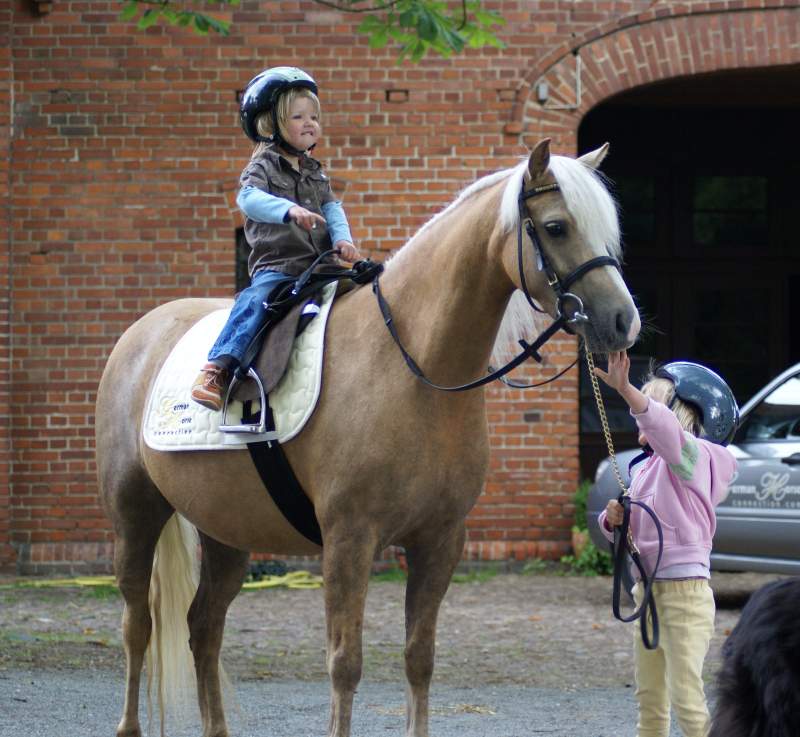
column 555, row 229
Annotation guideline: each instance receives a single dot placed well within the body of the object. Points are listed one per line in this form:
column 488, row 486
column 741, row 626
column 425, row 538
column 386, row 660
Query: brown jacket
column 286, row 247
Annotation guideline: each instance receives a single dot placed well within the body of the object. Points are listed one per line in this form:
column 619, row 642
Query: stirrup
column 256, row 432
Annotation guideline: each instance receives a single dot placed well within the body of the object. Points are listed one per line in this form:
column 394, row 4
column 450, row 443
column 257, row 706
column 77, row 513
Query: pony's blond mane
column 588, row 201
column 585, row 195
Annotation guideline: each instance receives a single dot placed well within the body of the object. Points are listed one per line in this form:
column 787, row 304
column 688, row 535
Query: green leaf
column 495, row 42
column 407, row 19
column 454, row 40
column 371, row 24
column 379, row 39
column 400, row 36
column 222, row 27
column 427, row 29
column 130, row 11
column 149, row 17
column 418, row 50
column 487, row 18
column 201, row 24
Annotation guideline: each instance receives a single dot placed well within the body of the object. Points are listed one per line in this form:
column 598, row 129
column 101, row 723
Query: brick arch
column 665, row 42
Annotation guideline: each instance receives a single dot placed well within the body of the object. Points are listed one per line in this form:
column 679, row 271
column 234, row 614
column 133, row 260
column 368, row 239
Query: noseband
column 569, row 307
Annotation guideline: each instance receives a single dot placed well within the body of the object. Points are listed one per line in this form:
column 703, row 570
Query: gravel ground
column 516, row 655
column 55, row 704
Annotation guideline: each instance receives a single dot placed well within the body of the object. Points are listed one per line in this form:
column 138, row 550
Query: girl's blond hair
column 264, row 120
column 663, row 390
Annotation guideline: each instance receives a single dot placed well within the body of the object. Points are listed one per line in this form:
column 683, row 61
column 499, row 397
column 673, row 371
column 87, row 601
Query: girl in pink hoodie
column 685, row 414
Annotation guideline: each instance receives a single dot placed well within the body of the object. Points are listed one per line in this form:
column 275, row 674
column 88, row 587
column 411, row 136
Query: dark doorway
column 706, row 172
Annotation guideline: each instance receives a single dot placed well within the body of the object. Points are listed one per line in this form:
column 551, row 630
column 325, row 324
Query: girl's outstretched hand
column 617, row 377
column 619, row 366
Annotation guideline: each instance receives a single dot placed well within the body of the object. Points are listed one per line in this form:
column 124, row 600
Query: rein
column 623, row 538
column 569, row 307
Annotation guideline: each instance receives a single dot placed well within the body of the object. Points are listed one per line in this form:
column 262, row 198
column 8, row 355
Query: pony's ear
column 539, row 160
column 594, row 158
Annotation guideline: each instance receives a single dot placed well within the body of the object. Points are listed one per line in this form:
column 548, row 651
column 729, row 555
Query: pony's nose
column 628, row 324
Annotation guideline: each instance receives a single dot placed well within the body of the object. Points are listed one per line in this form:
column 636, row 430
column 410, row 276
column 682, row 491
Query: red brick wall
column 7, row 556
column 124, row 158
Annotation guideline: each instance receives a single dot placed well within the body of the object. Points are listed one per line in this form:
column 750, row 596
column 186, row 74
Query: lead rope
column 601, row 410
column 623, row 537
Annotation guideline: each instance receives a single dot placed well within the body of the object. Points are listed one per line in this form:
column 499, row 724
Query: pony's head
column 575, row 221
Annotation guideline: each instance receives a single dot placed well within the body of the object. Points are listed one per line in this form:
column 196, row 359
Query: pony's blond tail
column 170, row 666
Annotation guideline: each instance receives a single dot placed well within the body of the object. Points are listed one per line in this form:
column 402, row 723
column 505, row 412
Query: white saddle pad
column 174, row 422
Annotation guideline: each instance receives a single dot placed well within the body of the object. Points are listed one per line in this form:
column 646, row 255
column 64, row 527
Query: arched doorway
column 705, row 169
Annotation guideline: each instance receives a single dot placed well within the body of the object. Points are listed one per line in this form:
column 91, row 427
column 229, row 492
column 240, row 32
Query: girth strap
column 279, row 480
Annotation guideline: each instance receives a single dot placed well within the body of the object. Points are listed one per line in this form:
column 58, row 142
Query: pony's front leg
column 431, row 563
column 346, row 566
column 222, row 573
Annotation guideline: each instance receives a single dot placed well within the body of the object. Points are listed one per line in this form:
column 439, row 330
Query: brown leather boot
column 210, row 386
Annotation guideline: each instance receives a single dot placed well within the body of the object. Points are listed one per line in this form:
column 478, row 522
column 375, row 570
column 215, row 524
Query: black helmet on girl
column 262, row 93
column 708, row 392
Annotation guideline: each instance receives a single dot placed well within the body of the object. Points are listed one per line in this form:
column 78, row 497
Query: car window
column 776, row 417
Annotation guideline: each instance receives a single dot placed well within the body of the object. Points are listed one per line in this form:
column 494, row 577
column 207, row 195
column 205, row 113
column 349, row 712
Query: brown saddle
column 273, row 357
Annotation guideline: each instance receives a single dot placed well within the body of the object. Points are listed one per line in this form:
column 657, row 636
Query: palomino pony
column 385, row 459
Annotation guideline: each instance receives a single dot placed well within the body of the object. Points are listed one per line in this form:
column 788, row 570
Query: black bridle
column 566, row 302
column 569, row 307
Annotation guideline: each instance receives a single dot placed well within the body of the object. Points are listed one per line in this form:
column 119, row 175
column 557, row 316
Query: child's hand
column 618, row 367
column 306, row 219
column 348, row 252
column 614, row 513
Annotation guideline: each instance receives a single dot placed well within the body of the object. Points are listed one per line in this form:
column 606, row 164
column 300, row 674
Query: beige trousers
column 672, row 674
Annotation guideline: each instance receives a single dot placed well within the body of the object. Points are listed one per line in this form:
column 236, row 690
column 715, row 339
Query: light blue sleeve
column 338, row 226
column 261, row 206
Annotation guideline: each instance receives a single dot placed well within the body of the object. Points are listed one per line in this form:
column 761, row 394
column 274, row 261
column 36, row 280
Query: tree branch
column 346, row 9
column 463, row 15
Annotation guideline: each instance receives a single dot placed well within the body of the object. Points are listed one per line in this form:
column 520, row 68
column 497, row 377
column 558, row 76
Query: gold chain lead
column 601, row 410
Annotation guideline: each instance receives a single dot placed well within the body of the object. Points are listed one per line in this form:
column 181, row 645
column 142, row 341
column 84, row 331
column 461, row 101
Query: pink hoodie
column 682, row 483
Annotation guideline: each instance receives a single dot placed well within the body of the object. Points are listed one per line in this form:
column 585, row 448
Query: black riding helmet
column 708, row 392
column 261, row 95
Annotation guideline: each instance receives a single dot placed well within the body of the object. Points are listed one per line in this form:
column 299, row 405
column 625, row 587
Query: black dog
column 758, row 691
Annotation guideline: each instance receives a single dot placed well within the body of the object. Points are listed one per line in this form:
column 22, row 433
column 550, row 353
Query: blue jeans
column 247, row 316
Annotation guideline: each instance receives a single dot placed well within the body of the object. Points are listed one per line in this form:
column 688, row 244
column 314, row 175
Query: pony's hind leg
column 430, row 566
column 222, row 573
column 346, row 565
column 133, row 563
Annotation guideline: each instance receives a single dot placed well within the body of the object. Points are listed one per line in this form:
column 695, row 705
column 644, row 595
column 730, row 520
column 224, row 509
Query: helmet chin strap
column 278, row 140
